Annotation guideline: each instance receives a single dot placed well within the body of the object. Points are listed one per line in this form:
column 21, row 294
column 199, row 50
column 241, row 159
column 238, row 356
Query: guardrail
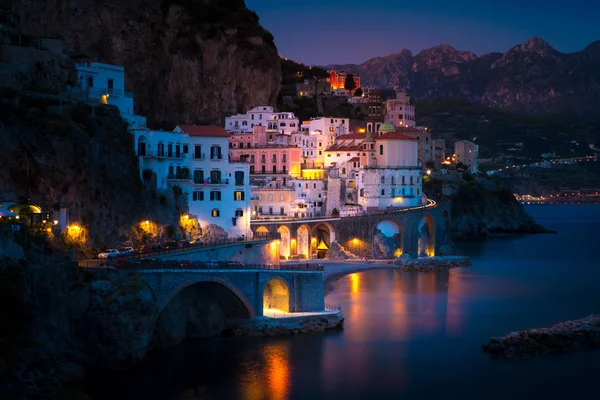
column 157, row 264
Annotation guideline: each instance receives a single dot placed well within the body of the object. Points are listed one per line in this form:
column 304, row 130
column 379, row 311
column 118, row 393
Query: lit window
column 238, row 195
column 215, row 212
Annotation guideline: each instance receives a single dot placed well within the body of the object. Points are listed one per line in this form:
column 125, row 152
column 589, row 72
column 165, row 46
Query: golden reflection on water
column 274, row 369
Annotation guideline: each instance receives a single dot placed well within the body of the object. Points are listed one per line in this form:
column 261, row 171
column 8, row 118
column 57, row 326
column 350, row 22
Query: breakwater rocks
column 579, row 333
column 431, row 263
column 262, row 326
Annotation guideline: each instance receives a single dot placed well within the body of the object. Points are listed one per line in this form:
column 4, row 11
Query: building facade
column 337, row 80
column 375, row 109
column 337, row 126
column 195, row 158
column 468, row 153
column 425, row 144
column 275, row 122
column 105, row 84
column 399, row 111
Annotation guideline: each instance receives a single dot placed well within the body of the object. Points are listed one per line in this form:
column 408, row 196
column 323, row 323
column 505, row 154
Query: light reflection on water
column 408, row 334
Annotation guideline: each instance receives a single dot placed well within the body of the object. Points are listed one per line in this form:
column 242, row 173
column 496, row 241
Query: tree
column 213, row 233
column 349, row 83
column 177, row 192
column 358, row 92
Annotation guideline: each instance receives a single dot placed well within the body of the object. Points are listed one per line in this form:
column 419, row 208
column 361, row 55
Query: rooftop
column 394, row 136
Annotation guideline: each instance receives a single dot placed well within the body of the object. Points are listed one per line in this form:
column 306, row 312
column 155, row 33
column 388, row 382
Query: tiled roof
column 200, row 130
column 394, row 136
column 354, row 159
column 351, row 136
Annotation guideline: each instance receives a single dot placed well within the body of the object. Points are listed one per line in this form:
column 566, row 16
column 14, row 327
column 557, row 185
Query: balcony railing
column 216, row 156
column 222, row 181
column 156, row 154
column 96, row 92
column 409, row 167
column 270, row 172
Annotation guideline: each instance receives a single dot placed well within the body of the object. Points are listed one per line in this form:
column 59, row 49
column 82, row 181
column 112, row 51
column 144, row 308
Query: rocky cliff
column 73, row 155
column 531, row 76
column 478, row 212
column 187, row 61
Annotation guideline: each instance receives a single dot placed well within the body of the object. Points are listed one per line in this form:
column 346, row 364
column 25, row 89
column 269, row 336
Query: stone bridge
column 243, row 293
column 418, row 231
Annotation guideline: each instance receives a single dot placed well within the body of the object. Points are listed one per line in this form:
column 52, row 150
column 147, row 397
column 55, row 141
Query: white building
column 399, row 111
column 337, row 126
column 280, row 122
column 105, row 84
column 196, row 159
column 467, row 153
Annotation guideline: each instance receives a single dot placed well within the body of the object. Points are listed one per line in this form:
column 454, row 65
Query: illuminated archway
column 284, row 243
column 302, row 237
column 262, row 231
column 276, row 296
column 388, row 239
column 426, row 237
column 322, row 236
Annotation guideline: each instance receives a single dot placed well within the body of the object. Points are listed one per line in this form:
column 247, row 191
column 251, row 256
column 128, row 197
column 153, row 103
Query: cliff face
column 531, row 77
column 478, row 212
column 186, row 60
column 79, row 157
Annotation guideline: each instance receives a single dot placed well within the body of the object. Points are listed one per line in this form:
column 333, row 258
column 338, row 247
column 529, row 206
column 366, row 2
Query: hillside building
column 195, row 158
column 275, row 122
column 468, row 153
column 337, row 80
column 399, row 111
column 105, row 84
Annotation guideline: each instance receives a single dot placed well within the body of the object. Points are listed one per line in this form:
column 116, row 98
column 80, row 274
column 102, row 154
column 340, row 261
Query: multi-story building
column 439, row 151
column 195, row 158
column 425, row 144
column 375, row 110
column 310, row 88
column 337, row 126
column 337, row 80
column 307, row 144
column 467, row 153
column 399, row 111
column 270, row 165
column 374, row 172
column 268, row 202
column 105, row 84
column 275, row 122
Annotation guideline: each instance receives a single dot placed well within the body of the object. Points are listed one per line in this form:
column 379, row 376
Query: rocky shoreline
column 564, row 336
column 409, row 264
column 264, row 326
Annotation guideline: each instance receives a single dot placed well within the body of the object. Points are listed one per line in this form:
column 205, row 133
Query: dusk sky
column 352, row 31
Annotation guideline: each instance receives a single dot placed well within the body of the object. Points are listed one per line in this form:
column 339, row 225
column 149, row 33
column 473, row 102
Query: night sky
column 322, row 32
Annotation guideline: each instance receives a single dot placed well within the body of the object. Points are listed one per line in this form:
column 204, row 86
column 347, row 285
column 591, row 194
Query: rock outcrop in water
column 478, row 212
column 186, row 60
column 580, row 333
column 431, row 263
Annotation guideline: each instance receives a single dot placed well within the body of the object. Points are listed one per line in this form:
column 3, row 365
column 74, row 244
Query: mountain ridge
column 531, row 77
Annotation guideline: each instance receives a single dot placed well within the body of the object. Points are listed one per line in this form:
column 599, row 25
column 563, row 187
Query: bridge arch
column 322, row 235
column 276, row 295
column 262, row 231
column 426, row 236
column 303, row 241
column 388, row 239
column 285, row 241
column 231, row 299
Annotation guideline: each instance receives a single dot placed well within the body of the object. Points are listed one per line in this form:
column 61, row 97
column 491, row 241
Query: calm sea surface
column 410, row 335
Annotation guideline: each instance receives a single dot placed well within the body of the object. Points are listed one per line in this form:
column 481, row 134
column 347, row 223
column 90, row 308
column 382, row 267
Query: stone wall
column 247, row 253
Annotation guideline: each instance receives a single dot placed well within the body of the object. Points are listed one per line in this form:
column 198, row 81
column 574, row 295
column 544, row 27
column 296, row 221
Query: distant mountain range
column 532, row 77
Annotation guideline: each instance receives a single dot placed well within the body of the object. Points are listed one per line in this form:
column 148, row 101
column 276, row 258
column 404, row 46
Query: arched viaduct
column 243, row 293
column 419, row 231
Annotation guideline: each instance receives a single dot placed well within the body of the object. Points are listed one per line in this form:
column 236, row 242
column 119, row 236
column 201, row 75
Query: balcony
column 409, row 167
column 163, row 155
column 270, row 173
column 222, row 181
column 216, row 157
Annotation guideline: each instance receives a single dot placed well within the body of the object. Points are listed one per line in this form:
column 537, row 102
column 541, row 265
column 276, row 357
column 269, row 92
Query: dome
column 387, row 127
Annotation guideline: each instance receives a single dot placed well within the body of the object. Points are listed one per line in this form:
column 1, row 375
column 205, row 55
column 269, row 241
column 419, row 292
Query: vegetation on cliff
column 478, row 211
column 497, row 130
column 80, row 157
